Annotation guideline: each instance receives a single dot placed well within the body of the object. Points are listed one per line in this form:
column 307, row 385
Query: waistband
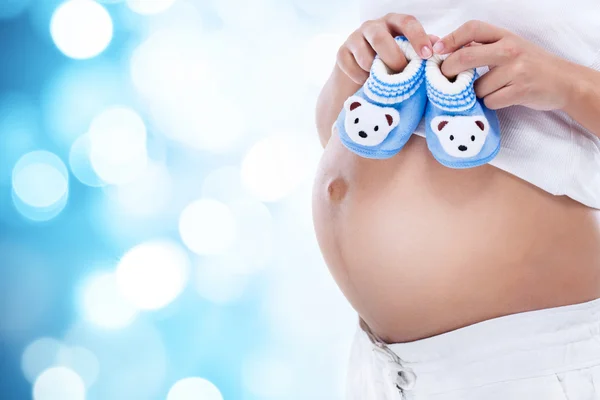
column 516, row 346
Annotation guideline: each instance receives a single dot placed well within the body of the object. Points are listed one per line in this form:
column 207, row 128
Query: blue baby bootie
column 377, row 121
column 461, row 132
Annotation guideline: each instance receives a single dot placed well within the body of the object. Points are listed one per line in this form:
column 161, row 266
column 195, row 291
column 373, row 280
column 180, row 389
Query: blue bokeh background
column 156, row 166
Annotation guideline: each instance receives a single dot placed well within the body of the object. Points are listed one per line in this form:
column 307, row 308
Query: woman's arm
column 584, row 99
column 522, row 73
column 329, row 104
column 355, row 57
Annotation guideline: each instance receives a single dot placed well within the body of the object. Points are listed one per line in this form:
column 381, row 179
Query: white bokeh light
column 267, row 377
column 80, row 360
column 207, row 226
column 146, row 7
column 152, row 274
column 274, row 167
column 224, row 184
column 81, row 28
column 132, row 360
column 40, row 179
column 219, row 280
column 254, row 241
column 79, row 161
column 148, row 194
column 38, row 356
column 173, row 71
column 59, row 383
column 118, row 145
column 40, row 185
column 67, row 105
column 103, row 304
column 194, row 389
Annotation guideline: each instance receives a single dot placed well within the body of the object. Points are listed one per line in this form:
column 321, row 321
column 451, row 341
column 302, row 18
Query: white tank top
column 548, row 149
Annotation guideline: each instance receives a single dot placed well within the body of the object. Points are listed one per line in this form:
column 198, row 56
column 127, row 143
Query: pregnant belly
column 419, row 249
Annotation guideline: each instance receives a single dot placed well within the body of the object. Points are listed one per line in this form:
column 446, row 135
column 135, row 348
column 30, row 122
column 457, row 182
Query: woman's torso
column 420, row 249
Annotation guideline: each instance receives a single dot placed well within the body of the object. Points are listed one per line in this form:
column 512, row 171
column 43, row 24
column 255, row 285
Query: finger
column 363, row 53
column 502, row 98
column 473, row 57
column 382, row 41
column 410, row 27
column 433, row 38
column 472, row 31
column 491, row 82
column 347, row 63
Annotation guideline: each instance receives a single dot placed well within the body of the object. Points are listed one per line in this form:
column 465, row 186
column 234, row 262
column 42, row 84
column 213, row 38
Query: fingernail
column 426, row 52
column 438, row 47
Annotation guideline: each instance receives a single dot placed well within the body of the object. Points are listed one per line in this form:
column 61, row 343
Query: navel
column 336, row 189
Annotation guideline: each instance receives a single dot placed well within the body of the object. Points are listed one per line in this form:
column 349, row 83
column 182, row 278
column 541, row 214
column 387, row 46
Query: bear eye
column 376, row 128
column 451, row 137
column 473, row 138
column 356, row 121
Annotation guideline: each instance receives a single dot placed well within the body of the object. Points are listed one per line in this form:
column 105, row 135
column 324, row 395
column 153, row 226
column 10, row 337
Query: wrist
column 576, row 87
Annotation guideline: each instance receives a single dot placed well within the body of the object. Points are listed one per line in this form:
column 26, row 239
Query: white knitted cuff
column 446, row 95
column 385, row 87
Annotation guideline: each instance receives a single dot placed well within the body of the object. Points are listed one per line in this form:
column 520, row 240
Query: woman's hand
column 356, row 55
column 521, row 73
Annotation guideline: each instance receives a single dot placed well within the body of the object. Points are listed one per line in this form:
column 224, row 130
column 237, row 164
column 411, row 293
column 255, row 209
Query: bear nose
column 362, row 134
column 462, row 148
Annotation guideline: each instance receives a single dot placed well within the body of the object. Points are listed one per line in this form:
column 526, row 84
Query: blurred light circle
column 173, row 70
column 38, row 356
column 67, row 104
column 207, row 226
column 267, row 377
column 12, row 8
column 149, row 6
column 219, row 280
column 224, row 184
column 59, row 383
column 79, row 161
column 194, row 389
column 103, row 304
column 148, row 194
column 81, row 28
column 273, row 168
column 40, row 185
column 151, row 275
column 80, row 360
column 171, row 63
column 132, row 360
column 118, row 145
column 254, row 242
column 40, row 214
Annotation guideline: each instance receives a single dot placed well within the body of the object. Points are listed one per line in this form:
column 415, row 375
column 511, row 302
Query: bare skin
column 420, row 249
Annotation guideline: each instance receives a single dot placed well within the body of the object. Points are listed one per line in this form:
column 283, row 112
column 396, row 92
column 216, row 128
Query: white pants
column 549, row 354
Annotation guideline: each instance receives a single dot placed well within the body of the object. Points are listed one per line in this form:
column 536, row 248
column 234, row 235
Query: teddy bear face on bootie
column 461, row 136
column 368, row 124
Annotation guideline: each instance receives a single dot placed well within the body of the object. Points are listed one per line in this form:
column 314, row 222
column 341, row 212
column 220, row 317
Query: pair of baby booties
column 377, row 121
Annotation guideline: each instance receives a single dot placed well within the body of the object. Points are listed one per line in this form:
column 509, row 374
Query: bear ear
column 390, row 119
column 482, row 123
column 352, row 103
column 439, row 123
